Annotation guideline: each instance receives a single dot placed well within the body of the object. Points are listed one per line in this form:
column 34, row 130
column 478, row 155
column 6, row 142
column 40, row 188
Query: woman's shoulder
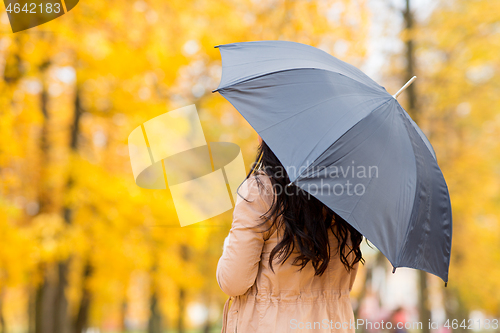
column 258, row 184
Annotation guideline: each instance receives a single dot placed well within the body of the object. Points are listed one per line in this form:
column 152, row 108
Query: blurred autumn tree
column 459, row 50
column 82, row 244
column 458, row 99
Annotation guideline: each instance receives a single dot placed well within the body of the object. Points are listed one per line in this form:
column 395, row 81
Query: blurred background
column 84, row 249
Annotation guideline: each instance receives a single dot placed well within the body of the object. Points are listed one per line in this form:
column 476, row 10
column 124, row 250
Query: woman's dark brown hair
column 305, row 221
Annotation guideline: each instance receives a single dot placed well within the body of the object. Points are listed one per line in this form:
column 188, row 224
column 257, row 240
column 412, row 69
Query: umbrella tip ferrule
column 446, row 284
column 289, row 184
column 393, row 270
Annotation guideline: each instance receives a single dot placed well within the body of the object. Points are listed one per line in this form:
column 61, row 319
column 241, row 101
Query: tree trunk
column 423, row 301
column 44, row 296
column 154, row 323
column 31, row 309
column 61, row 317
column 44, row 304
column 13, row 69
column 182, row 310
column 123, row 316
column 3, row 328
column 81, row 321
column 61, row 303
column 185, row 256
column 44, row 190
column 155, row 320
column 410, row 62
column 455, row 308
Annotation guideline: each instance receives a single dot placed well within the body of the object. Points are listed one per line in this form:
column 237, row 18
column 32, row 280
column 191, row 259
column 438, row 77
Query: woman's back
column 286, row 300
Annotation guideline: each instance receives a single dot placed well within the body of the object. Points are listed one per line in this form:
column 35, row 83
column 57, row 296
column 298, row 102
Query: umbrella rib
column 258, row 76
column 376, row 108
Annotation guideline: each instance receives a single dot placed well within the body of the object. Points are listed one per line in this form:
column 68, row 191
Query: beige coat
column 284, row 301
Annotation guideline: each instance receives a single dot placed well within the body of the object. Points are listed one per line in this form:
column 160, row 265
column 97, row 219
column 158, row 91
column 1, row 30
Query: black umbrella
column 344, row 139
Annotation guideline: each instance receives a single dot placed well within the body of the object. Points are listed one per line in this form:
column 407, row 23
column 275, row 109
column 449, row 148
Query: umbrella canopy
column 344, row 139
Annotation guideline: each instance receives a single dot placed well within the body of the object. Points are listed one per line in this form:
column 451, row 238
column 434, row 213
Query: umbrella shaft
column 404, row 87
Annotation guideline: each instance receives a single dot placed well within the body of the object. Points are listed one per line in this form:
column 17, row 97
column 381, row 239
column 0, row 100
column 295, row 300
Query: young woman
column 289, row 262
